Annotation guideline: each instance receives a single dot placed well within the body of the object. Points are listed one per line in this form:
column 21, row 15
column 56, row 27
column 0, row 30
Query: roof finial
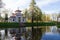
column 18, row 8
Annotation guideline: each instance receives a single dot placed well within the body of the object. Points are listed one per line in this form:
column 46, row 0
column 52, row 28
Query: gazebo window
column 19, row 19
column 13, row 19
column 23, row 18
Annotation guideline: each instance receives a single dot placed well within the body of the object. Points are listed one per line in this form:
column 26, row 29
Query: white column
column 0, row 12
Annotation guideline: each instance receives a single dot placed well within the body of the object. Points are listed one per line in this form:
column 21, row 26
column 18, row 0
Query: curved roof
column 12, row 17
column 18, row 11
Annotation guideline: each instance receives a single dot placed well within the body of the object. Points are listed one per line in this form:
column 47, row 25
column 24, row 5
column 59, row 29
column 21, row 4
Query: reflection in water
column 14, row 32
column 2, row 33
column 53, row 29
column 53, row 35
column 27, row 34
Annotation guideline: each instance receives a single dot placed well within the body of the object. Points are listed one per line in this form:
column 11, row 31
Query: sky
column 47, row 6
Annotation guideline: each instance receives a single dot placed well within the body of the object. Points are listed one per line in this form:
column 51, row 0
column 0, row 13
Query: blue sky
column 47, row 6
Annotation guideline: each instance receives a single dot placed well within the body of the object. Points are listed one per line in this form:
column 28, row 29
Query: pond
column 51, row 36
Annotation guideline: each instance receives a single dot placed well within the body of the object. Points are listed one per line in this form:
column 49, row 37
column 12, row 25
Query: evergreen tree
column 33, row 3
column 25, row 13
column 35, row 14
column 36, row 11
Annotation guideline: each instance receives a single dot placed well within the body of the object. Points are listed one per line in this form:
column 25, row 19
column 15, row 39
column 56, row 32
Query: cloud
column 10, row 4
column 46, row 2
column 14, row 4
column 51, row 12
column 43, row 4
column 22, row 4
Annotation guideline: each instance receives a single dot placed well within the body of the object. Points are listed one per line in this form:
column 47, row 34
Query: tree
column 46, row 17
column 34, row 13
column 26, row 13
column 37, row 13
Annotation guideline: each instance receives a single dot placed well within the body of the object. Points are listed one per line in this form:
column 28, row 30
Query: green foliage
column 58, row 24
column 26, row 13
column 37, row 14
column 34, row 11
column 41, row 24
column 17, row 25
column 8, row 25
column 32, row 3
